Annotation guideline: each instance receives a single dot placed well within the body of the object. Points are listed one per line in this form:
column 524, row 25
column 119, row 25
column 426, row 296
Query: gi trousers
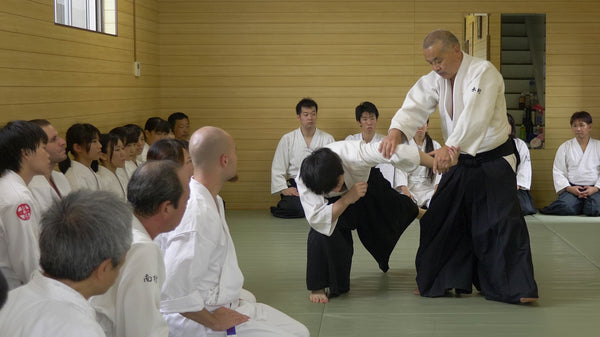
column 380, row 217
column 474, row 233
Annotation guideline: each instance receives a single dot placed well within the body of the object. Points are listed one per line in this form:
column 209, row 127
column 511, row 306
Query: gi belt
column 505, row 149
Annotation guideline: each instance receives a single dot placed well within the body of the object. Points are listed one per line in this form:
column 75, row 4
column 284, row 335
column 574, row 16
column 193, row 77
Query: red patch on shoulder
column 24, row 212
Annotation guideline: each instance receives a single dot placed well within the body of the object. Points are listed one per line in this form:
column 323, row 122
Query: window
column 96, row 15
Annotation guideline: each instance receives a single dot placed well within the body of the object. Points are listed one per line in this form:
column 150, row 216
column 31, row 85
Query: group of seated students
column 82, row 261
column 576, row 167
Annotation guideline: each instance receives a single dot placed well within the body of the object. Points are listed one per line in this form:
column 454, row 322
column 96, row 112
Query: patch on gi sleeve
column 476, row 90
column 24, row 212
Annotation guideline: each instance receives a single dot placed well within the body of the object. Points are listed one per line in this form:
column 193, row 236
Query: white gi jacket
column 387, row 170
column 573, row 166
column 19, row 230
column 524, row 168
column 357, row 158
column 289, row 155
column 113, row 182
column 45, row 194
column 201, row 264
column 130, row 167
column 81, row 176
column 131, row 307
column 45, row 307
column 417, row 181
column 140, row 159
column 477, row 102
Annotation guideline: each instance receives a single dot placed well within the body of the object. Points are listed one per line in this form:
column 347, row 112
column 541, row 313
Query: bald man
column 473, row 233
column 204, row 281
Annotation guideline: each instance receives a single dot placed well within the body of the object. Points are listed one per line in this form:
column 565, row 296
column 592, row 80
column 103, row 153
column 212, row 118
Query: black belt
column 503, row 150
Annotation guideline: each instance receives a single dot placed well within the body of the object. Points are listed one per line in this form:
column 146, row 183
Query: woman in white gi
column 576, row 171
column 421, row 183
column 366, row 115
column 82, row 247
column 523, row 171
column 83, row 143
column 155, row 129
column 22, row 149
column 201, row 295
column 111, row 172
column 172, row 149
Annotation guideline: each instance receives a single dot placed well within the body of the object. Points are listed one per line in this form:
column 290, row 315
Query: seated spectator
column 51, row 187
column 158, row 192
column 138, row 133
column 366, row 114
column 180, row 124
column 155, row 129
column 83, row 142
column 172, row 149
column 576, row 171
column 112, row 159
column 82, row 247
column 130, row 138
column 291, row 150
column 523, row 172
column 23, row 155
column 421, row 183
column 202, row 292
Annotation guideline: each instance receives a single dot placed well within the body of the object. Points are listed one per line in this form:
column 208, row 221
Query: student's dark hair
column 174, row 117
column 583, row 116
column 152, row 184
column 366, row 107
column 108, row 142
column 121, row 132
column 168, row 149
column 306, row 103
column 40, row 122
column 133, row 131
column 82, row 134
column 321, row 170
column 16, row 137
column 157, row 124
column 82, row 230
column 511, row 121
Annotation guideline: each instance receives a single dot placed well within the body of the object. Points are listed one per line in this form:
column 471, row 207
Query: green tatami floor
column 566, row 257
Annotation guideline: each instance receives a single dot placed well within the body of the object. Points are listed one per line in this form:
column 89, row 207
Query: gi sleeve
column 559, row 169
column 420, row 102
column 479, row 106
column 316, row 209
column 524, row 169
column 20, row 234
column 281, row 161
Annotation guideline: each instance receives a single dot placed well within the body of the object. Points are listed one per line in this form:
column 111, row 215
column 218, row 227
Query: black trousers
column 474, row 234
column 289, row 207
column 380, row 218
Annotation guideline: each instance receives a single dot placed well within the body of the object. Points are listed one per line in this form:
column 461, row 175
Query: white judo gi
column 82, row 177
column 203, row 273
column 45, row 307
column 130, row 167
column 289, row 155
column 573, row 166
column 418, row 183
column 115, row 183
column 45, row 194
column 388, row 171
column 140, row 159
column 131, row 306
column 19, row 230
column 358, row 158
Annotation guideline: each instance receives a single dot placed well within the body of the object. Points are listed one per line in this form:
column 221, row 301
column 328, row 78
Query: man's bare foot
column 421, row 213
column 528, row 299
column 318, row 296
column 416, row 291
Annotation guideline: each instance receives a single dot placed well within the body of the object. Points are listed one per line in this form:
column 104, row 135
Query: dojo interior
column 243, row 65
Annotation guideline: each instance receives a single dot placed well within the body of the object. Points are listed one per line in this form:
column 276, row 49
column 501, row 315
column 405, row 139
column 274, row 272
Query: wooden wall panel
column 69, row 75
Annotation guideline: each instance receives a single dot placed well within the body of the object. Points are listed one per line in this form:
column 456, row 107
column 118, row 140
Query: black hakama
column 380, row 217
column 474, row 233
column 289, row 207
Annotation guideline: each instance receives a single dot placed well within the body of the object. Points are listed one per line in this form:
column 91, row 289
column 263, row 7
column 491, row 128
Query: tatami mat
column 566, row 256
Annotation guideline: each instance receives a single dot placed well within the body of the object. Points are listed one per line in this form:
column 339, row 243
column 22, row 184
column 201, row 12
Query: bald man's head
column 447, row 39
column 212, row 147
